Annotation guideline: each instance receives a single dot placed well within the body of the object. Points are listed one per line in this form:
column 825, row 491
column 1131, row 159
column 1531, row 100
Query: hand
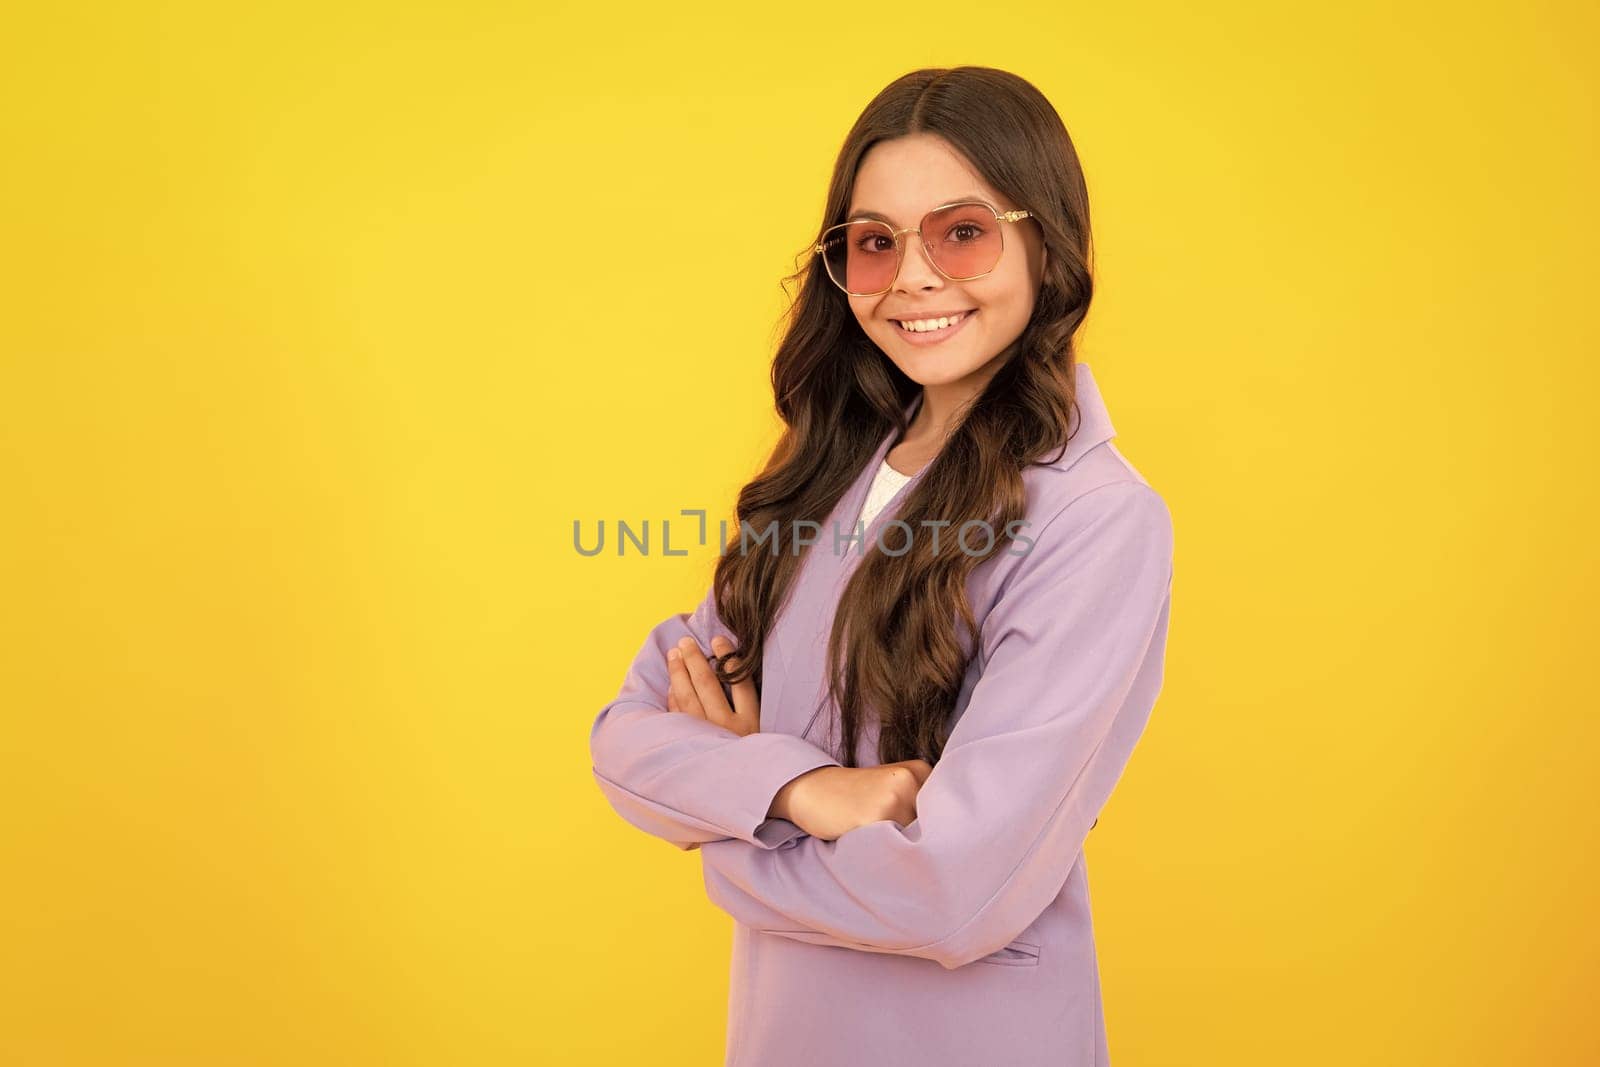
column 829, row 802
column 693, row 688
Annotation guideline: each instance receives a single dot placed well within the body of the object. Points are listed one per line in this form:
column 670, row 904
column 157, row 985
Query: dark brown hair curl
column 901, row 636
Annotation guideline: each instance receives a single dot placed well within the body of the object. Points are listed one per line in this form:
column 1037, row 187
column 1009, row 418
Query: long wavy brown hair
column 901, row 636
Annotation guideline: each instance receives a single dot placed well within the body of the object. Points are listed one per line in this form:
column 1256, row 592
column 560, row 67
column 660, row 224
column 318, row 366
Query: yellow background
column 323, row 322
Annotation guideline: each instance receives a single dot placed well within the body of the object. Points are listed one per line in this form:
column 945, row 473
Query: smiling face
column 901, row 180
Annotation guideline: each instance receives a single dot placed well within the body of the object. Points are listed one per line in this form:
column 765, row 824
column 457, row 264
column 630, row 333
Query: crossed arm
column 684, row 778
column 1072, row 659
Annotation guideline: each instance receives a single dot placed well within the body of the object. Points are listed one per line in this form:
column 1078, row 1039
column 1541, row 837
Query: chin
column 935, row 372
column 931, row 366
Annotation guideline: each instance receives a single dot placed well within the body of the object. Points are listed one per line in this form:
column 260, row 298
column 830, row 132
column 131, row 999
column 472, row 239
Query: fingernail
column 674, row 655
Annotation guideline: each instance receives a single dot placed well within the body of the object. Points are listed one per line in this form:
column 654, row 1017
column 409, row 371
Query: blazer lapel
column 798, row 642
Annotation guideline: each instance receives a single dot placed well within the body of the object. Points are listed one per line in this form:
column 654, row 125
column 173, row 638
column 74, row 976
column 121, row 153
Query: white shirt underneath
column 885, row 484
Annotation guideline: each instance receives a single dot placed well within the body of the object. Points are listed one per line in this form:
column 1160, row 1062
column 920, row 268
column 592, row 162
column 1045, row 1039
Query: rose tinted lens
column 963, row 240
column 860, row 256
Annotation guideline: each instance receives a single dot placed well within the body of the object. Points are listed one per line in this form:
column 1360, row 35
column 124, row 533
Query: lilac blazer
column 964, row 937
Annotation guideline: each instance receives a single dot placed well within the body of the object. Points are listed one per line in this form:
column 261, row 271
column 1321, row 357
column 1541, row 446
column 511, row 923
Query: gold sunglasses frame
column 900, row 244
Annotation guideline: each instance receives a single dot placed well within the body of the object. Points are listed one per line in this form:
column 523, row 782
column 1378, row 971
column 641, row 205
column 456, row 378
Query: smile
column 932, row 331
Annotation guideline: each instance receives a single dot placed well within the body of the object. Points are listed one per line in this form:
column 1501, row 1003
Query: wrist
column 784, row 803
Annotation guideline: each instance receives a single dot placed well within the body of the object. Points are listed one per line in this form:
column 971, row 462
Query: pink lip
column 934, row 337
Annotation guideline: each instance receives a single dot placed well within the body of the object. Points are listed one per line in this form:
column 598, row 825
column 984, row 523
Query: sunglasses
column 963, row 241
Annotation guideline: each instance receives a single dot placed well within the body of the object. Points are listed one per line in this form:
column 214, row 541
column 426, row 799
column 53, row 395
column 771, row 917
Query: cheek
column 1013, row 296
column 864, row 318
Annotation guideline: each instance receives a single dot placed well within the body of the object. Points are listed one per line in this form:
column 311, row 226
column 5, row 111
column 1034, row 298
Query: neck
column 937, row 413
column 942, row 406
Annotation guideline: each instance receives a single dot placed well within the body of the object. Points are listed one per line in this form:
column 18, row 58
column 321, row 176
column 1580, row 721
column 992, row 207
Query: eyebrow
column 860, row 213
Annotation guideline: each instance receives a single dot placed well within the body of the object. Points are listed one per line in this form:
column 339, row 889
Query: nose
column 916, row 269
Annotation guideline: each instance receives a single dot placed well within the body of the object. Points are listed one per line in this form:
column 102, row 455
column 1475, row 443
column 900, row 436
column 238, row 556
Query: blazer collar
column 1091, row 422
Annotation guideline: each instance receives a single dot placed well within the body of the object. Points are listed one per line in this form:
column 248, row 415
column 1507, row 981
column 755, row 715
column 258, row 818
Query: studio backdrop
column 331, row 333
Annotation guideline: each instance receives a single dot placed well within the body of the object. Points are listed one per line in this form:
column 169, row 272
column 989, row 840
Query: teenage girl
column 930, row 651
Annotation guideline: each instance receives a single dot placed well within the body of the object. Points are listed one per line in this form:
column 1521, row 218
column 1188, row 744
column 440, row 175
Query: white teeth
column 924, row 325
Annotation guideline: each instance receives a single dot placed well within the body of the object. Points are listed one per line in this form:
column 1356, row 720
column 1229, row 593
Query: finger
column 681, row 687
column 707, row 689
column 746, row 704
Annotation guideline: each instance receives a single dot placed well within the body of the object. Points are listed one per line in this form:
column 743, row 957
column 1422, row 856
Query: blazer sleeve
column 1073, row 654
column 681, row 778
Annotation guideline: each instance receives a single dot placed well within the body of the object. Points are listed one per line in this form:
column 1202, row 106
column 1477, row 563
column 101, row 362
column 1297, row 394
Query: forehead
column 902, row 179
